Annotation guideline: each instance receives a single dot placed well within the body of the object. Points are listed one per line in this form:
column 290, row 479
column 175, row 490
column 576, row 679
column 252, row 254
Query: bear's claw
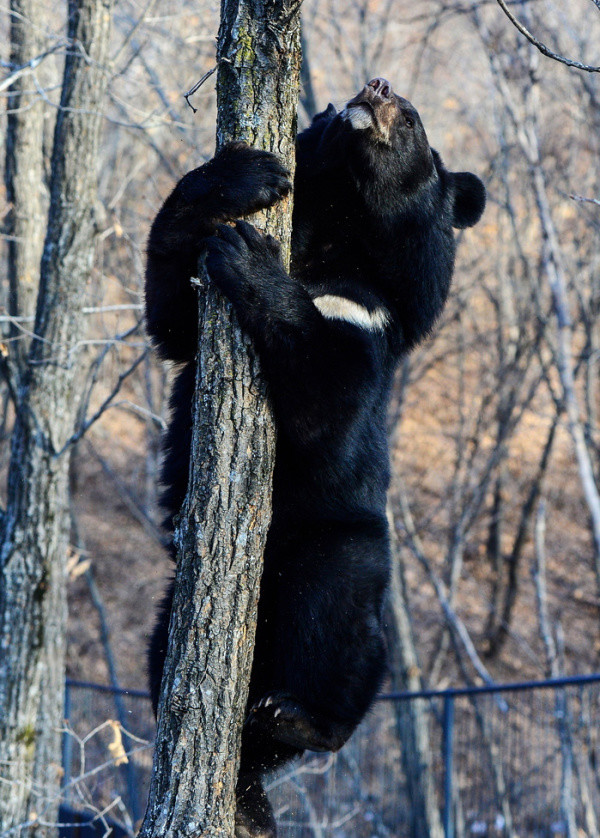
column 283, row 717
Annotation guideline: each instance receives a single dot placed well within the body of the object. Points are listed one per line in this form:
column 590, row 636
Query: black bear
column 372, row 260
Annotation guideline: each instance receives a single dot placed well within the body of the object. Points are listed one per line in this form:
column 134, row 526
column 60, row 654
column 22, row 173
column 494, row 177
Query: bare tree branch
column 542, row 47
column 458, row 628
column 579, row 197
column 30, row 65
column 108, row 401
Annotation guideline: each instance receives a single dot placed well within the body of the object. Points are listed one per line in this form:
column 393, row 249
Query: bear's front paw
column 249, row 179
column 239, row 257
column 239, row 180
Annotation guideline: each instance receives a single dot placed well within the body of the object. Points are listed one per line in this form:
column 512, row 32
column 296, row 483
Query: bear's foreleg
column 239, row 180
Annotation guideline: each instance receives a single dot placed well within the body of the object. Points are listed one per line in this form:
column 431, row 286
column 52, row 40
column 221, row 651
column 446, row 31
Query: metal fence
column 510, row 761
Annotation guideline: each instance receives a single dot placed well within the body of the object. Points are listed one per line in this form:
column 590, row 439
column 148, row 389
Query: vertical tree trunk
column 552, row 265
column 308, row 98
column 34, row 536
column 24, row 173
column 411, row 716
column 227, row 512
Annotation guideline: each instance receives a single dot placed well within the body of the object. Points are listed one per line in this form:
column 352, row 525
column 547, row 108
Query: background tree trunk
column 412, row 717
column 227, row 512
column 35, row 525
column 24, row 174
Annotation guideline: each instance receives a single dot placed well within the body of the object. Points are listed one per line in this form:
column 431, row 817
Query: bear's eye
column 409, row 121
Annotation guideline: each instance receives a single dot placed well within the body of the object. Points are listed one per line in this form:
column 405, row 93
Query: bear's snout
column 381, row 87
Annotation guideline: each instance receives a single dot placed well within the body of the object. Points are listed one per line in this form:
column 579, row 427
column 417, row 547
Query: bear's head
column 383, row 121
column 379, row 136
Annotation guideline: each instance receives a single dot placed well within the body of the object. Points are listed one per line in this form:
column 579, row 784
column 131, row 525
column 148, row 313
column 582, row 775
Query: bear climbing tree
column 372, row 260
column 226, row 516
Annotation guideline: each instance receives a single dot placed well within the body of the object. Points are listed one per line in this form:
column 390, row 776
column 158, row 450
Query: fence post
column 448, row 754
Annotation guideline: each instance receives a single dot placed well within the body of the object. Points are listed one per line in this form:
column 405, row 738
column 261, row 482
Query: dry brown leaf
column 116, row 749
column 79, row 568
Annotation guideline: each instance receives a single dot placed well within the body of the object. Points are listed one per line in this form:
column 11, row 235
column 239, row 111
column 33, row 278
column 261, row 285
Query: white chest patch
column 341, row 308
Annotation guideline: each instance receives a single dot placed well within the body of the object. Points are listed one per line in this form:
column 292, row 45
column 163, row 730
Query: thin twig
column 542, row 47
column 580, row 197
column 87, row 424
column 141, row 19
column 199, row 83
column 131, row 500
column 102, row 309
column 197, row 86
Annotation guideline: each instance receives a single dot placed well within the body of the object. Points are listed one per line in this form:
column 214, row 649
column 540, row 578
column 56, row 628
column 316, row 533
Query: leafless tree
column 34, row 531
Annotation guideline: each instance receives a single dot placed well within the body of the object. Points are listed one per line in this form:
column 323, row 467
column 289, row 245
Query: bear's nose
column 381, row 87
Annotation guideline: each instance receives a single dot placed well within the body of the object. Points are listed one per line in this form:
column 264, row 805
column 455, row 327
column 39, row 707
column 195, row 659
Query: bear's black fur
column 372, row 259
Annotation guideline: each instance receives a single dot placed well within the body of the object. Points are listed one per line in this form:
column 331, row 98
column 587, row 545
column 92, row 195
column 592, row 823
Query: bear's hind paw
column 283, row 717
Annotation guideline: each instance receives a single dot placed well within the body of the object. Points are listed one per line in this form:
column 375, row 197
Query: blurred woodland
column 494, row 426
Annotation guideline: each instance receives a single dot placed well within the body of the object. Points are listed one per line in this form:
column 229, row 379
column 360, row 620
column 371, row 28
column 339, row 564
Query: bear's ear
column 469, row 199
column 328, row 113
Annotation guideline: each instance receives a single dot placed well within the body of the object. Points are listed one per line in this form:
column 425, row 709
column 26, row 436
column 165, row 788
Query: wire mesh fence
column 107, row 753
column 512, row 761
column 516, row 760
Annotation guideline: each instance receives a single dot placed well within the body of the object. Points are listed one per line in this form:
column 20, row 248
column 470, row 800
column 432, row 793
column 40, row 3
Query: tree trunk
column 308, row 98
column 226, row 515
column 411, row 716
column 552, row 266
column 24, row 176
column 35, row 525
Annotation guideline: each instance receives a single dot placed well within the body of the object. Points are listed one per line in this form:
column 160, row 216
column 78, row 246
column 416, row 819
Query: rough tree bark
column 35, row 525
column 24, row 175
column 226, row 515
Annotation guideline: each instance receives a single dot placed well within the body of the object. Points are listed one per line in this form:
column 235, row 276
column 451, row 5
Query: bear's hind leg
column 254, row 815
column 320, row 643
